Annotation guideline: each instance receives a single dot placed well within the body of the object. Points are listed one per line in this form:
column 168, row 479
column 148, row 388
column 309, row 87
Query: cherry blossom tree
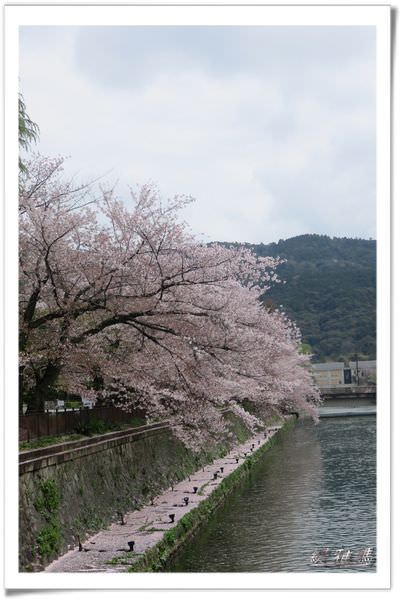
column 120, row 295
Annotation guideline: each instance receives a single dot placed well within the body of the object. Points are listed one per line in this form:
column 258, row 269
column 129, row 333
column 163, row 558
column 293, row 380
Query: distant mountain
column 330, row 292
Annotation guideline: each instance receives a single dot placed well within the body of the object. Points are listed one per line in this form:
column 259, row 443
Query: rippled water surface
column 315, row 488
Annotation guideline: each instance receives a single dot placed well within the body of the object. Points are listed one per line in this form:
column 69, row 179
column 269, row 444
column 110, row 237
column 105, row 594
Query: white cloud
column 272, row 141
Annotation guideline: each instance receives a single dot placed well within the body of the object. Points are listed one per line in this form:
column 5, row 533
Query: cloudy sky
column 271, row 129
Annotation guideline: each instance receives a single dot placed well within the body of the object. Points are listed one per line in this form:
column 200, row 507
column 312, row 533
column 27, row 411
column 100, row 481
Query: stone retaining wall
column 77, row 491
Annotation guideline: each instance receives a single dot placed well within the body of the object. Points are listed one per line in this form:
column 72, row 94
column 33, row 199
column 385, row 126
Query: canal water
column 316, row 488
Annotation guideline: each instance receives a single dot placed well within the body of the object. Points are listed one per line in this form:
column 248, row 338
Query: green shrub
column 49, row 539
column 94, row 425
column 47, row 504
column 137, row 421
column 48, row 501
column 73, row 404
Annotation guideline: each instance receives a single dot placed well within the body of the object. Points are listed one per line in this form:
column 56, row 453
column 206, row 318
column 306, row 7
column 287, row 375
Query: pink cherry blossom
column 118, row 298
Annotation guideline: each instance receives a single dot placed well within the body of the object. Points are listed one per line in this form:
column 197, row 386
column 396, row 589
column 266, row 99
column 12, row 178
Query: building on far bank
column 363, row 372
column 330, row 374
column 335, row 374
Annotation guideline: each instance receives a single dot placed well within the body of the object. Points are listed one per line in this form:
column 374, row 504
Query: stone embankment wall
column 349, row 396
column 80, row 489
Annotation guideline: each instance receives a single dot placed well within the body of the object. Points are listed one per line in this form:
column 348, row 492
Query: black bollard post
column 215, row 475
column 195, row 490
column 131, row 546
column 258, row 442
column 236, row 460
column 186, row 500
column 222, row 469
column 172, row 517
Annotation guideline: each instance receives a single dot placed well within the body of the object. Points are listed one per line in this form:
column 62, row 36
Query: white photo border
column 30, row 15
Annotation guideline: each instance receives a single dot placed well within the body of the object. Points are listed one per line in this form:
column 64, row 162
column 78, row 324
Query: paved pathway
column 147, row 526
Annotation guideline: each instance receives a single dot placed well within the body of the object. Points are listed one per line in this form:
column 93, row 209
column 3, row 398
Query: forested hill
column 330, row 292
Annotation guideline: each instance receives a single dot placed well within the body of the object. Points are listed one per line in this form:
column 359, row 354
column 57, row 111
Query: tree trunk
column 42, row 390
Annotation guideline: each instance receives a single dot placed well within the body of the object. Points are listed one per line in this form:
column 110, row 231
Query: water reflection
column 316, row 488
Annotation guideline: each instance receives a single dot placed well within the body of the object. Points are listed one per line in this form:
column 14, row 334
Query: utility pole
column 356, row 369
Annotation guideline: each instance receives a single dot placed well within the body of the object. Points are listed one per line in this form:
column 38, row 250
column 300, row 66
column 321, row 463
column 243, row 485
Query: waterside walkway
column 147, row 526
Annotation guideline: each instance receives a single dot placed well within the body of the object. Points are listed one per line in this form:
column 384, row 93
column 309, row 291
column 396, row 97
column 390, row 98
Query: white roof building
column 329, row 366
column 330, row 374
column 368, row 365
